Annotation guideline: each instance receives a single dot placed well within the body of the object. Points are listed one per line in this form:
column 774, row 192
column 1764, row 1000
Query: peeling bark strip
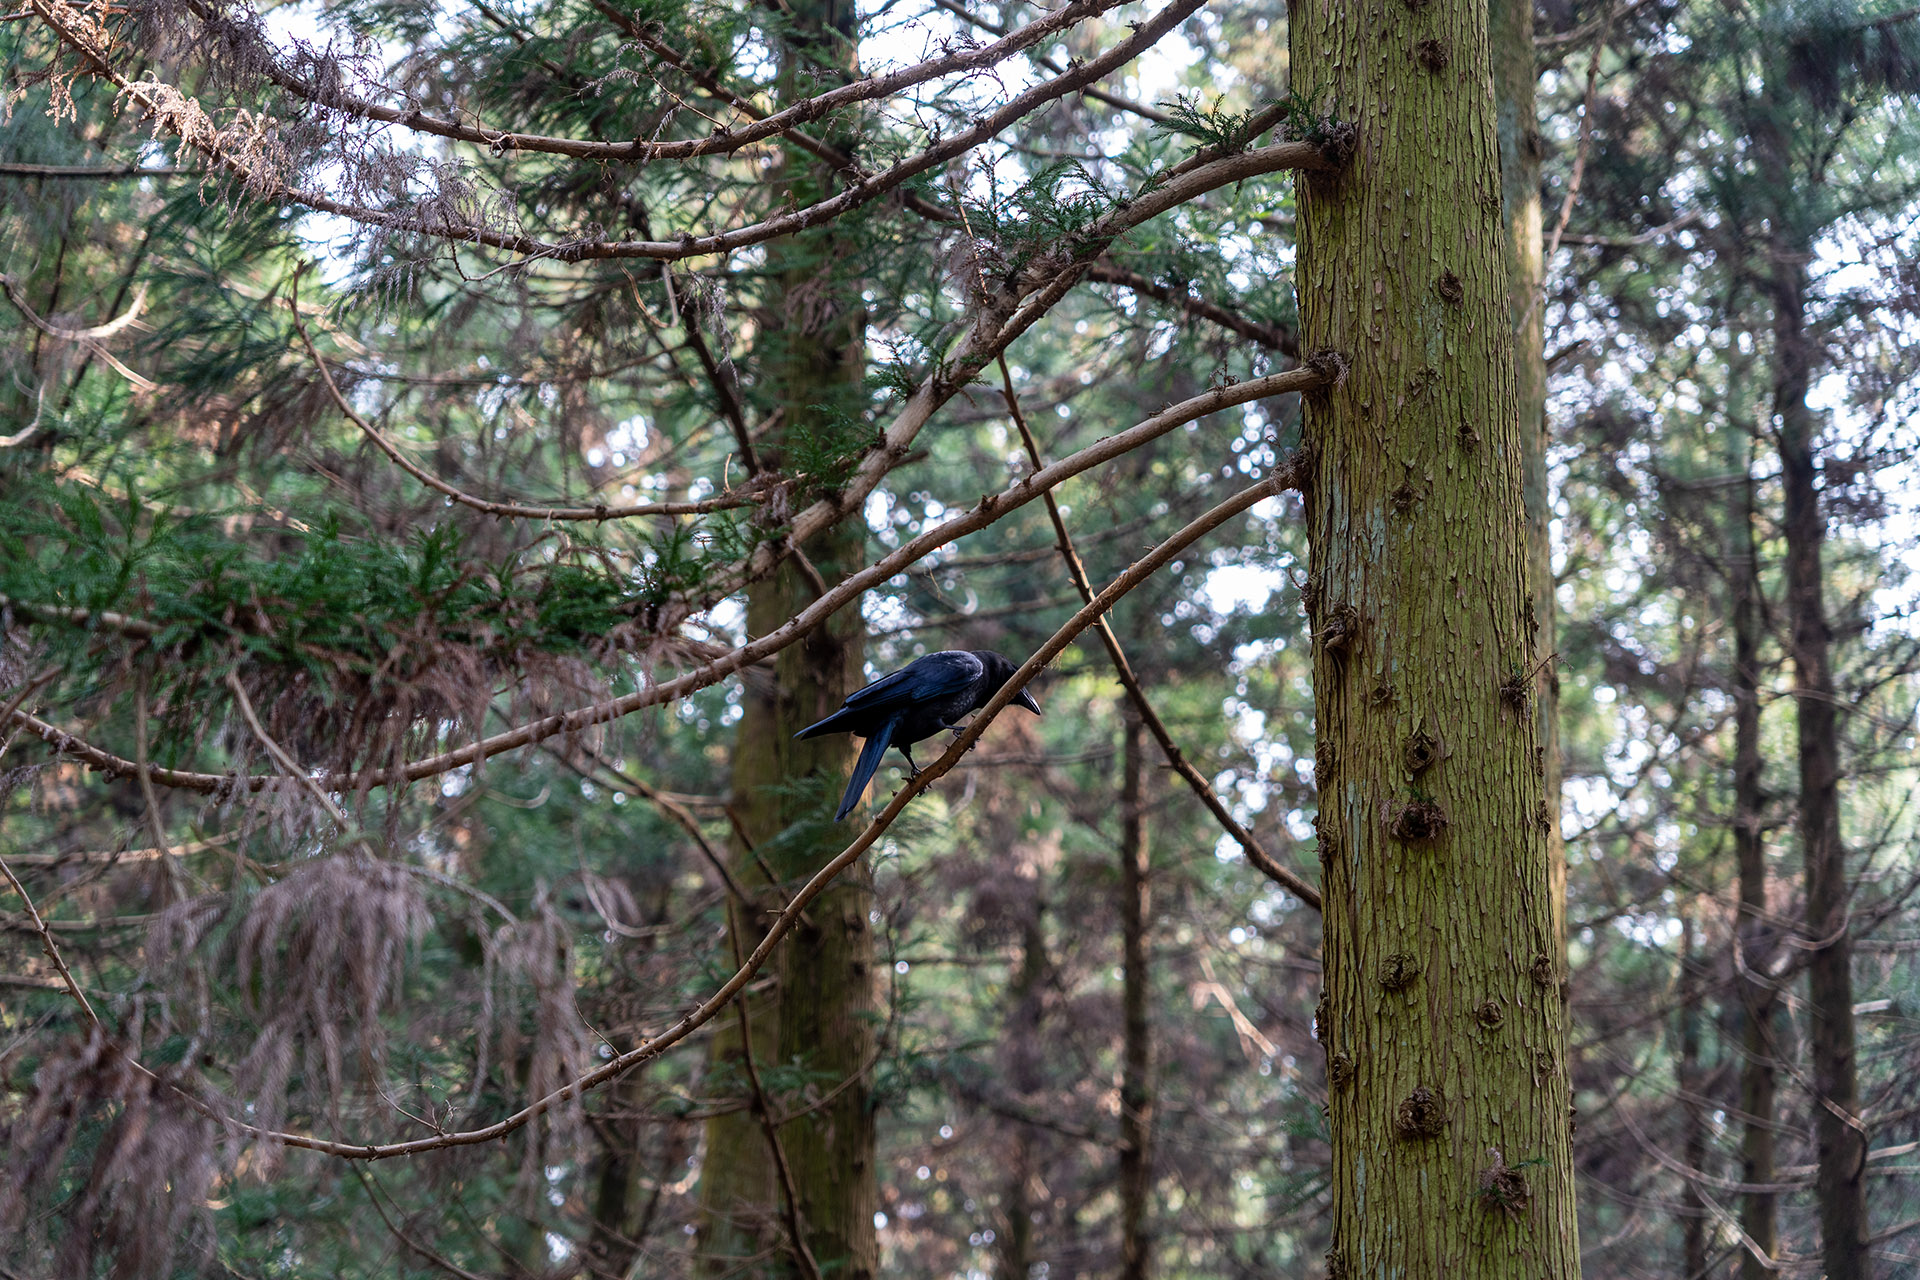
column 1420, row 551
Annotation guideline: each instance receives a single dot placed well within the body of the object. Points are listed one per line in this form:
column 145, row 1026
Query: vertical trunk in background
column 811, row 359
column 1692, row 1080
column 1448, row 1091
column 1758, row 1005
column 1840, row 1141
column 626, row 1193
column 1515, row 74
column 1136, row 1086
column 1021, row 1053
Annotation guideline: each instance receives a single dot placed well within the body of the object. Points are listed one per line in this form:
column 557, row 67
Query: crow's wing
column 930, row 679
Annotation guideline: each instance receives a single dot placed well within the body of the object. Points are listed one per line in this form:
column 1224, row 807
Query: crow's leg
column 913, row 770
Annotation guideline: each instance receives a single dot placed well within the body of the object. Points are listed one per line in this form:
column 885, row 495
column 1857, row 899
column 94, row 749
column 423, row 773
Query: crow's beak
column 1025, row 699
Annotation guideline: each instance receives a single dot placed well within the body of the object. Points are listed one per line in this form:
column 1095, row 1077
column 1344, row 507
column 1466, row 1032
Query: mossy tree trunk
column 1515, row 75
column 813, row 1033
column 1448, row 1090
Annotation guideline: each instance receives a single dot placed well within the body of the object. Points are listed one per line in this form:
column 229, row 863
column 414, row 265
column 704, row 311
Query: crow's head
column 998, row 670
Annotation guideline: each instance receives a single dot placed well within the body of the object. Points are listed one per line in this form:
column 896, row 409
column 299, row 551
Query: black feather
column 919, row 700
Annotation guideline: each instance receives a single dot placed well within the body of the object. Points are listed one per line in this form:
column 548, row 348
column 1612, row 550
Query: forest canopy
column 1446, row 472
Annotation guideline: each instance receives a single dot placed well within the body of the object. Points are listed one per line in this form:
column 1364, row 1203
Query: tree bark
column 1692, row 1080
column 1136, row 1086
column 820, row 1016
column 1448, row 1088
column 1840, row 1139
column 1756, row 934
column 1515, row 74
column 1021, row 1054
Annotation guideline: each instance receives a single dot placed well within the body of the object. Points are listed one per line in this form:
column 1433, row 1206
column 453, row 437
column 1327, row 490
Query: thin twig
column 287, row 763
column 445, row 1264
column 122, row 855
column 175, row 877
column 679, row 813
column 1274, row 337
column 48, row 945
column 1256, row 853
column 27, row 690
column 101, row 172
column 514, row 510
column 1586, row 136
column 789, row 1191
column 77, row 29
column 1048, row 64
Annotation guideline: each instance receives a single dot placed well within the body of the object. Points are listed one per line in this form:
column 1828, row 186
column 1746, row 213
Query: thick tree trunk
column 1442, row 1018
column 821, row 1005
column 820, row 1014
column 1136, row 1085
column 1756, row 933
column 1840, row 1140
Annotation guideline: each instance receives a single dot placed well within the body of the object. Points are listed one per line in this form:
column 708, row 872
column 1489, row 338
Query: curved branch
column 721, row 141
column 1274, row 337
column 985, row 512
column 1256, row 853
column 95, row 333
column 512, row 510
column 48, row 945
column 185, row 119
column 1282, row 479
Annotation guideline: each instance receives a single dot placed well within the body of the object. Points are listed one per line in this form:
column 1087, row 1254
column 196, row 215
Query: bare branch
column 1256, row 853
column 982, row 514
column 52, row 949
column 511, row 510
column 694, row 1019
column 1274, row 337
column 720, row 141
column 95, row 172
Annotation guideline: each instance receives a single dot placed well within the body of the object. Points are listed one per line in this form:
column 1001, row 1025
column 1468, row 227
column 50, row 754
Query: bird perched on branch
column 919, row 700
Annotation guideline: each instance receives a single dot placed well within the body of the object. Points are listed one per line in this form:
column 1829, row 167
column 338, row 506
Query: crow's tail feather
column 876, row 747
column 830, row 725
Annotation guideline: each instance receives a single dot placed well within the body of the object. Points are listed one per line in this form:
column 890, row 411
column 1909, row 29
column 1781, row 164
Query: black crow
column 919, row 700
